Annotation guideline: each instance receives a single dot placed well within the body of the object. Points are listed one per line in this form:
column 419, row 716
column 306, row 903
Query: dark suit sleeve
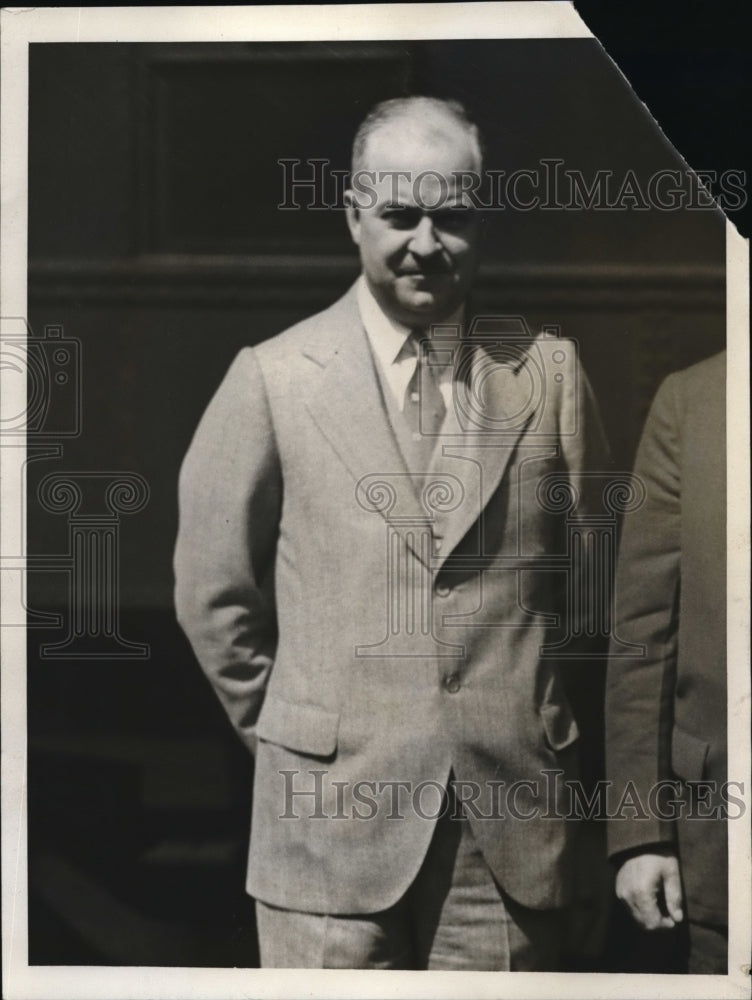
column 229, row 508
column 640, row 688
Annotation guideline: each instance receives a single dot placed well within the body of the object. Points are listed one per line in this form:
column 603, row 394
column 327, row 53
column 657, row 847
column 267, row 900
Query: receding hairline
column 428, row 114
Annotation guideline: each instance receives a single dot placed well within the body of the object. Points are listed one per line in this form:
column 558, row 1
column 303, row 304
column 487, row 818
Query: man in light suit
column 666, row 708
column 372, row 555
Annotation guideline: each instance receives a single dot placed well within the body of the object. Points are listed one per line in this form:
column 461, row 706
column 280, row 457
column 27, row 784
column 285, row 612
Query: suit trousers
column 454, row 916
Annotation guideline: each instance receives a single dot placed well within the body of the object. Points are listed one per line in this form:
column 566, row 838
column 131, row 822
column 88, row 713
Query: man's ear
column 352, row 214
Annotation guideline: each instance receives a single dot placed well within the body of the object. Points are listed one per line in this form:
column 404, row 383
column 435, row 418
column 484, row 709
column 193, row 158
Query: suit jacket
column 301, row 532
column 666, row 709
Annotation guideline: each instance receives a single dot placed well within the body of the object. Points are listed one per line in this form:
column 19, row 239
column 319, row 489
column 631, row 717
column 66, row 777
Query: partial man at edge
column 666, row 709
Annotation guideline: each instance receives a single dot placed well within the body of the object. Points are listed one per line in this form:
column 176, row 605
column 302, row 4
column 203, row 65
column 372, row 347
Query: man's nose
column 424, row 241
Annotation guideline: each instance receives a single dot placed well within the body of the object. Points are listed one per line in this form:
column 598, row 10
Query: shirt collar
column 388, row 337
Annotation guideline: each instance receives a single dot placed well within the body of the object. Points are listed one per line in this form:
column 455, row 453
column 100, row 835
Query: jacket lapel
column 349, row 410
column 478, row 439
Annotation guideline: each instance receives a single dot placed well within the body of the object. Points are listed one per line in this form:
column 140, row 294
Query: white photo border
column 19, row 28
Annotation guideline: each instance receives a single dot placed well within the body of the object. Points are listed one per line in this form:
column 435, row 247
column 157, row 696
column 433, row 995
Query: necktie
column 424, row 408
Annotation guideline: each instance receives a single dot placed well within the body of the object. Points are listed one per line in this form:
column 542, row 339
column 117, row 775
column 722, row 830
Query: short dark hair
column 400, row 107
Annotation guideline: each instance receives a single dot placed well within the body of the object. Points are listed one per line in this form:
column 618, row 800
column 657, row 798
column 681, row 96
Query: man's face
column 416, row 231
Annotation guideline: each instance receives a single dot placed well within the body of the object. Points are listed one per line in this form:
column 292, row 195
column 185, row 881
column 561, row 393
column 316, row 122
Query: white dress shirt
column 393, row 354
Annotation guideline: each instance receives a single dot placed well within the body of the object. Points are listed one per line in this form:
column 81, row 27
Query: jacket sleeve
column 582, row 661
column 230, row 494
column 640, row 680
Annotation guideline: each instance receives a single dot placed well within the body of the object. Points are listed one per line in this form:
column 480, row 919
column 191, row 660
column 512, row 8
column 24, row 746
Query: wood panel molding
column 238, row 280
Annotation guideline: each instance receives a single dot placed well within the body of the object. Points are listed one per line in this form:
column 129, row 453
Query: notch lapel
column 347, row 406
column 478, row 439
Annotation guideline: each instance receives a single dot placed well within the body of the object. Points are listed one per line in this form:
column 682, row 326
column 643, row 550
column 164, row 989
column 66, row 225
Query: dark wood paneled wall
column 156, row 240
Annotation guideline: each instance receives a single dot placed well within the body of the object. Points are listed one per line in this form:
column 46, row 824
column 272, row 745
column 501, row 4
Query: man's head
column 407, row 208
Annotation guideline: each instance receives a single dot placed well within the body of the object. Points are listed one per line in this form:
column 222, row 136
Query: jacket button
column 452, row 683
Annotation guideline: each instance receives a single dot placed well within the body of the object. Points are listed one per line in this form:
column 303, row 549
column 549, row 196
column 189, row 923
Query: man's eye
column 402, row 218
column 453, row 219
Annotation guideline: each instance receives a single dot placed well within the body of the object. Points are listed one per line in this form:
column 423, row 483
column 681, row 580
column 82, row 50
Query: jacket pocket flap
column 559, row 724
column 688, row 755
column 307, row 729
